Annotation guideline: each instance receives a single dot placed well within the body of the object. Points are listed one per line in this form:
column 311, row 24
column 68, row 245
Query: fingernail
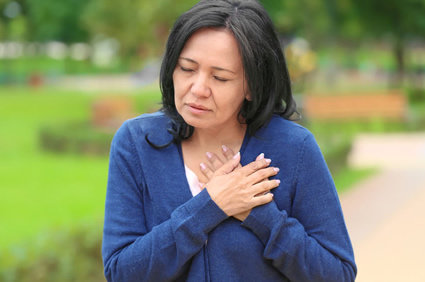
column 261, row 156
column 236, row 156
column 268, row 161
column 277, row 181
column 209, row 155
column 276, row 169
column 224, row 148
column 203, row 166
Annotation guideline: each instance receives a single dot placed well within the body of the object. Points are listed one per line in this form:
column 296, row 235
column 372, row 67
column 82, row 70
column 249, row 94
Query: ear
column 248, row 96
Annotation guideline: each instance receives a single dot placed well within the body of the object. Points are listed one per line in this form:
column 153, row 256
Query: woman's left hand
column 215, row 163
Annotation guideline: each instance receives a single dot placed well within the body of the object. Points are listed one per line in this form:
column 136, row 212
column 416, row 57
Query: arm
column 130, row 251
column 311, row 244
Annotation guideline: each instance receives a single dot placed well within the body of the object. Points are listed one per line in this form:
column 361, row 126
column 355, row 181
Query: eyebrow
column 216, row 68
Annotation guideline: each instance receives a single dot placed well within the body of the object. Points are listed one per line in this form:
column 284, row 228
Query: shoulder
column 279, row 129
column 148, row 121
column 153, row 124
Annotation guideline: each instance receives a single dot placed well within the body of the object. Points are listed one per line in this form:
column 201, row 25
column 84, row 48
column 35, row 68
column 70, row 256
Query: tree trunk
column 399, row 55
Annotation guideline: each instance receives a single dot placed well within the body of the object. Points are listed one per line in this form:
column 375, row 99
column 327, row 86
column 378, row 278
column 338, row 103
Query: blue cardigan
column 156, row 231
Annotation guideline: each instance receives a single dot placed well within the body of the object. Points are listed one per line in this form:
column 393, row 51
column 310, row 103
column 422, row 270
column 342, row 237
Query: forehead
column 213, row 46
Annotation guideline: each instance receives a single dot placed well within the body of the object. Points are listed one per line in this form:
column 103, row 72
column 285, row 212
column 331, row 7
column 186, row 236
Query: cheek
column 178, row 85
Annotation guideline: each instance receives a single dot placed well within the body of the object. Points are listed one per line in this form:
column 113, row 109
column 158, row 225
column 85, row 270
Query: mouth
column 197, row 108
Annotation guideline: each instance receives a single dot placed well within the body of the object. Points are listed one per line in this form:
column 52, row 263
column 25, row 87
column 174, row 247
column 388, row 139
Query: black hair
column 262, row 58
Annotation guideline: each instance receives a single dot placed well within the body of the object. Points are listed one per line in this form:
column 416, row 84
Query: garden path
column 385, row 214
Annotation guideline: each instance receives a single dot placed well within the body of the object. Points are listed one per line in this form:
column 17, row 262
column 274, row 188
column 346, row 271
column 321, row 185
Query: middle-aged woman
column 180, row 206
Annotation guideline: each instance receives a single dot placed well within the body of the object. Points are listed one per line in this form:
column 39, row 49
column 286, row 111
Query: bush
column 416, row 95
column 77, row 138
column 67, row 254
column 335, row 149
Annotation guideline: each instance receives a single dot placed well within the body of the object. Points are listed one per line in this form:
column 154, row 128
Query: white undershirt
column 193, row 181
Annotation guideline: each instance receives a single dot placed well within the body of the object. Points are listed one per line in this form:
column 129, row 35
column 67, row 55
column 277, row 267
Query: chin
column 195, row 122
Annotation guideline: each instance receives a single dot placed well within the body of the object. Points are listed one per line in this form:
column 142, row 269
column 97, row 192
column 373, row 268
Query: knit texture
column 156, row 231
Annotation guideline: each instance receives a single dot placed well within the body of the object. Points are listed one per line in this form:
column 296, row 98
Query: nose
column 200, row 87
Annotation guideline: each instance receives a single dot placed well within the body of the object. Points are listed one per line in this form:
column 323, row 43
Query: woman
column 180, row 206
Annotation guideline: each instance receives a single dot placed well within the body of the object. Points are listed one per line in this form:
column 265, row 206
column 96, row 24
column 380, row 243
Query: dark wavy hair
column 263, row 61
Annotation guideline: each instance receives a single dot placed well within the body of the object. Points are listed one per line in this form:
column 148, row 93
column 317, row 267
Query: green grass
column 41, row 190
column 346, row 177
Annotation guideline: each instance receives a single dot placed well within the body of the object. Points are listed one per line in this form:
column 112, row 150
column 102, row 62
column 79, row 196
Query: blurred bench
column 387, row 105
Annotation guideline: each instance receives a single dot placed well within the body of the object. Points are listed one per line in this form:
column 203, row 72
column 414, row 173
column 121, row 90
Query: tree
column 56, row 20
column 306, row 18
column 141, row 26
column 401, row 20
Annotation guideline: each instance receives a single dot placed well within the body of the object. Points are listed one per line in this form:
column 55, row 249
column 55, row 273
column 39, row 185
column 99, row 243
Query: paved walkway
column 385, row 214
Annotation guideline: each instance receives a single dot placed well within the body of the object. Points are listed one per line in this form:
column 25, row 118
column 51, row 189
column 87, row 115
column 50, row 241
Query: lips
column 197, row 107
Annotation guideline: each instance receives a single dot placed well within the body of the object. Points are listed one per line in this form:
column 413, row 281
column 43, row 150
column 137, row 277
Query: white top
column 192, row 179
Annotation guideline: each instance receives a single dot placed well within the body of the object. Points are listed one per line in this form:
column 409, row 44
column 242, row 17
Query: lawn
column 41, row 190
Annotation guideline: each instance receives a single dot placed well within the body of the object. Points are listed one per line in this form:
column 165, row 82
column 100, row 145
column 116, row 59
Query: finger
column 263, row 174
column 230, row 165
column 261, row 200
column 254, row 166
column 214, row 160
column 228, row 153
column 265, row 186
column 260, row 156
column 206, row 170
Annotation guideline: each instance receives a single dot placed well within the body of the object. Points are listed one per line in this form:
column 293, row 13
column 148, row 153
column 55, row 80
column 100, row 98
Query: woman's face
column 209, row 84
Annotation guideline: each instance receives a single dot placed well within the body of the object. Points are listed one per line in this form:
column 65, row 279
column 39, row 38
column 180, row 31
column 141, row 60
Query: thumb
column 230, row 165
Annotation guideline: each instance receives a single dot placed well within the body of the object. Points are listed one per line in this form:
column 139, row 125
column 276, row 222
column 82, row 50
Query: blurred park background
column 72, row 70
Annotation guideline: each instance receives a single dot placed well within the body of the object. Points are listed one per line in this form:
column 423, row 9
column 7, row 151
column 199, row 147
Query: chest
column 165, row 186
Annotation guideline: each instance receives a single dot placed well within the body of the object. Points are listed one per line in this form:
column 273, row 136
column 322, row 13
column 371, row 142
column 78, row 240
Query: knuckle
column 263, row 173
column 238, row 173
column 254, row 165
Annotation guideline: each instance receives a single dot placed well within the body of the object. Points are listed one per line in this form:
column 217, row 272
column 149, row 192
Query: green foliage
column 140, row 26
column 399, row 18
column 18, row 29
column 306, row 18
column 75, row 137
column 70, row 253
column 346, row 177
column 416, row 95
column 335, row 148
column 417, row 109
column 56, row 20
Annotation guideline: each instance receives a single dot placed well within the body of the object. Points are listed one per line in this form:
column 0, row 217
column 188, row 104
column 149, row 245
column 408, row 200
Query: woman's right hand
column 237, row 191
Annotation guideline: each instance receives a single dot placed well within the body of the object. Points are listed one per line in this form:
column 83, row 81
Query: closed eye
column 220, row 79
column 186, row 69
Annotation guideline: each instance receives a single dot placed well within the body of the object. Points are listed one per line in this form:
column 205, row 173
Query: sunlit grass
column 346, row 178
column 38, row 189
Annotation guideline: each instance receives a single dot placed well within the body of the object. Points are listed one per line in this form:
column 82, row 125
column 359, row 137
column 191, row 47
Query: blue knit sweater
column 156, row 231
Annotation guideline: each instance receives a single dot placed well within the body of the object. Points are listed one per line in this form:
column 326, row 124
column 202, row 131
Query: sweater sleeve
column 131, row 252
column 312, row 244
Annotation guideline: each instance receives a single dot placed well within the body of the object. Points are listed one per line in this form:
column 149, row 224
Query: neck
column 211, row 140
